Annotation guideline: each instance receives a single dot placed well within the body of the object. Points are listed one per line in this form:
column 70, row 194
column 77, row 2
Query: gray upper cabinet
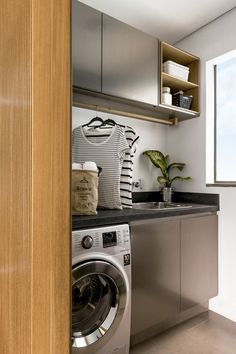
column 86, row 46
column 129, row 62
column 116, row 66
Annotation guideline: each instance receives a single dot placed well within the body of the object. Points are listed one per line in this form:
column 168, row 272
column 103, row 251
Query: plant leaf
column 157, row 158
column 161, row 161
column 178, row 165
column 167, row 159
column 162, row 180
column 180, row 178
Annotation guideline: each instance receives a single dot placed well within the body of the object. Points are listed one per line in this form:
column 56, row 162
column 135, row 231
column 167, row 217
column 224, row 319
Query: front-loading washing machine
column 101, row 290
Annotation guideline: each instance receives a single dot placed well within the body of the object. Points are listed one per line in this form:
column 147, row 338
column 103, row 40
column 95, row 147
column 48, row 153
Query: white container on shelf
column 177, row 70
column 166, row 96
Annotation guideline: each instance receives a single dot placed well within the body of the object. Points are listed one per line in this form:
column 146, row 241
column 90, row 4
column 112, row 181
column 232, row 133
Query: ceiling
column 168, row 20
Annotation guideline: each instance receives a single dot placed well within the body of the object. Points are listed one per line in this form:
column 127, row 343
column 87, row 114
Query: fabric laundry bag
column 84, row 192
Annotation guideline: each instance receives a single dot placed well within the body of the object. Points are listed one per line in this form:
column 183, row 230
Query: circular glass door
column 98, row 301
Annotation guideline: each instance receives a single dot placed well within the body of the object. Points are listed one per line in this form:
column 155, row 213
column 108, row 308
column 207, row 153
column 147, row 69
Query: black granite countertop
column 200, row 203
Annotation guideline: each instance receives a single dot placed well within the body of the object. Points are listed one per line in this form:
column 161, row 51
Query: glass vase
column 167, row 193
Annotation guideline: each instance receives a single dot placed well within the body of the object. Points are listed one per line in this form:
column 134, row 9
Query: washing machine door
column 98, row 302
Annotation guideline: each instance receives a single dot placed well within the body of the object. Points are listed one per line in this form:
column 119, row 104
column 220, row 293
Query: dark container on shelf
column 181, row 100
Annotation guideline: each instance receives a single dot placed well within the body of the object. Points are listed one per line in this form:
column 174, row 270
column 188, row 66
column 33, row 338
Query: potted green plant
column 166, row 180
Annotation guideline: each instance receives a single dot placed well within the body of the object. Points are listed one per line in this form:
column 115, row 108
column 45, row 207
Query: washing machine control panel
column 110, row 239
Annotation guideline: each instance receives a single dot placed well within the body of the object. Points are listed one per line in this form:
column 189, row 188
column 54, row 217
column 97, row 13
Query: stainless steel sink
column 160, row 206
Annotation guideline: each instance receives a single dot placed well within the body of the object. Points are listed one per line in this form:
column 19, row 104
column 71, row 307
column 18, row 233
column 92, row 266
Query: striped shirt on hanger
column 108, row 152
column 97, row 135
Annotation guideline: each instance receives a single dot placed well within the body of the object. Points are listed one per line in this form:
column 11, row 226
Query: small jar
column 166, row 96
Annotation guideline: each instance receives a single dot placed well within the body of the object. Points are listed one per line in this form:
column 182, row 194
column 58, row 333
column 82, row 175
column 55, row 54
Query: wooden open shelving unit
column 190, row 87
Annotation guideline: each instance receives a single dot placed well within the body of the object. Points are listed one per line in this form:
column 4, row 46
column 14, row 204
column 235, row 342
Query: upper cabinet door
column 129, row 62
column 86, row 46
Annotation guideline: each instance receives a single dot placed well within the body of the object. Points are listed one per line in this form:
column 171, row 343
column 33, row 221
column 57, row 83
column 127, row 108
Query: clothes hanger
column 95, row 119
column 89, row 124
column 111, row 122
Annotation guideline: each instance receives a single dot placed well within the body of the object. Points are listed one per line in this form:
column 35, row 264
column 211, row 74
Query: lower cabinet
column 174, row 267
column 199, row 260
column 155, row 250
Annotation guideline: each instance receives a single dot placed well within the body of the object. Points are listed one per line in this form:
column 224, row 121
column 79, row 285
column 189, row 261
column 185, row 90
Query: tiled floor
column 208, row 333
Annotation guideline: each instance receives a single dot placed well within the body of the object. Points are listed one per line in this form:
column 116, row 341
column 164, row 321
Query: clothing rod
column 122, row 113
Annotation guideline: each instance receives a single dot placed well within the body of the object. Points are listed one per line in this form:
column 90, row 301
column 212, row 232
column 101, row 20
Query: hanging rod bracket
column 174, row 121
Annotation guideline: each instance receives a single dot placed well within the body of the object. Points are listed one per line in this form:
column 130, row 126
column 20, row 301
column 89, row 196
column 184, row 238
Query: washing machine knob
column 87, row 242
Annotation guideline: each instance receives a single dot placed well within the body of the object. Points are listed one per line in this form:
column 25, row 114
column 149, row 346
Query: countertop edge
column 113, row 217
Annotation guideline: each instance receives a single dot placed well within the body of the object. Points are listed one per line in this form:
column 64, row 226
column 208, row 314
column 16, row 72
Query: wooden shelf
column 177, row 55
column 177, row 84
column 173, row 108
column 191, row 87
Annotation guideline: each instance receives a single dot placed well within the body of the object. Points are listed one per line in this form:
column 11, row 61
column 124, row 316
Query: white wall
column 188, row 143
column 152, row 136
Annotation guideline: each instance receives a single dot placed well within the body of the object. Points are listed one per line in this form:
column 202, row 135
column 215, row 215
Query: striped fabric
column 97, row 136
column 108, row 152
column 127, row 168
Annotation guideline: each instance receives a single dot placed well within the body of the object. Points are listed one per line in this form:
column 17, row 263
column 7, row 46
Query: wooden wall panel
column 35, row 127
column 15, row 177
column 51, row 169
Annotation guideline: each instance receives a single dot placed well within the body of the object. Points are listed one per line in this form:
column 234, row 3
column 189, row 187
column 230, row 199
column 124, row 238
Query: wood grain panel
column 15, row 177
column 190, row 87
column 35, row 126
column 178, row 55
column 177, row 84
column 51, row 175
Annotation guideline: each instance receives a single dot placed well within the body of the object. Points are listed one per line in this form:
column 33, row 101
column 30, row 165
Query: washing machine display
column 101, row 294
column 109, row 239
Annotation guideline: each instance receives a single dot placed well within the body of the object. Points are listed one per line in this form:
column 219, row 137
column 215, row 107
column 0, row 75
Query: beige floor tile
column 203, row 335
column 215, row 335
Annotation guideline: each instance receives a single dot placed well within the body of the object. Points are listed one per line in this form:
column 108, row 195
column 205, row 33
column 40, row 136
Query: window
column 221, row 120
column 225, row 121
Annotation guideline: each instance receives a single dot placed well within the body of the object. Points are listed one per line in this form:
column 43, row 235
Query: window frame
column 212, row 112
